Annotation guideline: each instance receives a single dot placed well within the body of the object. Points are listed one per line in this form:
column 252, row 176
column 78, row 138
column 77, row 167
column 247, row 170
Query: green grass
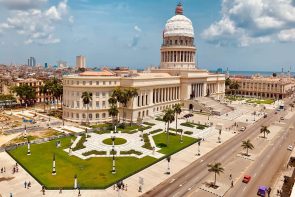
column 92, row 173
column 174, row 143
column 258, row 101
column 147, row 143
column 118, row 141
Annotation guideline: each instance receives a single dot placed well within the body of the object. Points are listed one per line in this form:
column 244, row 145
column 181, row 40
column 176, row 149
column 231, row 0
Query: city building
column 177, row 80
column 263, row 87
column 32, row 62
column 80, row 62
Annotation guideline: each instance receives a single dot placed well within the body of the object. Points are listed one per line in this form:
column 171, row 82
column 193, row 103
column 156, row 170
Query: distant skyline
column 241, row 35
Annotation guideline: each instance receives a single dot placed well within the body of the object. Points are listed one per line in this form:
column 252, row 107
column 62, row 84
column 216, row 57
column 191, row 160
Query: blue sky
column 238, row 34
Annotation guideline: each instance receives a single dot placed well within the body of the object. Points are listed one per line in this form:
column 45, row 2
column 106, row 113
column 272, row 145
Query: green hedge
column 149, row 124
column 147, row 143
column 94, row 152
column 80, row 144
column 130, row 152
column 156, row 131
column 187, row 124
column 188, row 132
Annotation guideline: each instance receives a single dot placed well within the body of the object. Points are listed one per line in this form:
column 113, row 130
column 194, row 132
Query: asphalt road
column 267, row 166
column 182, row 182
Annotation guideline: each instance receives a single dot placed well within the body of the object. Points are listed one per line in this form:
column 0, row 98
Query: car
column 265, row 116
column 246, row 179
column 282, row 118
column 243, row 129
column 290, row 148
column 276, row 112
column 262, row 191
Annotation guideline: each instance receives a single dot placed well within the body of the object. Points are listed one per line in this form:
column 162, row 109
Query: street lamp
column 75, row 182
column 219, row 138
column 113, row 141
column 53, row 166
column 168, row 167
column 29, row 148
column 114, row 164
column 199, row 144
column 25, row 133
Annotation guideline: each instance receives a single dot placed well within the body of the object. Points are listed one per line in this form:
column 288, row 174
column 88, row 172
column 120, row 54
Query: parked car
column 265, row 116
column 243, row 129
column 290, row 148
column 282, row 118
column 246, row 179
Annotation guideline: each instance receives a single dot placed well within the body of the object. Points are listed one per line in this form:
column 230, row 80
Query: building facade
column 177, row 80
column 264, row 87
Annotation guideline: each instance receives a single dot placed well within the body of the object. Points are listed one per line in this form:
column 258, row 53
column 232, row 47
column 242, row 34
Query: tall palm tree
column 234, row 86
column 264, row 130
column 177, row 111
column 87, row 98
column 216, row 168
column 168, row 118
column 131, row 94
column 113, row 111
column 246, row 144
column 291, row 105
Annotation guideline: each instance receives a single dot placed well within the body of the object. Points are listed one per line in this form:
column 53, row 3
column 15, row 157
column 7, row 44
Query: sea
column 262, row 73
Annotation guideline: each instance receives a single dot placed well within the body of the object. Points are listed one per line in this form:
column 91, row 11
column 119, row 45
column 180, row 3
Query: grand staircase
column 214, row 106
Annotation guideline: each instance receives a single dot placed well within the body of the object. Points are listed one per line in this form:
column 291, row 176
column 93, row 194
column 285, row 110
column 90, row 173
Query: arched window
column 104, row 115
column 97, row 116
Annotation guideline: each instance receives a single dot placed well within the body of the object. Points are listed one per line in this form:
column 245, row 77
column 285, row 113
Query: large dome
column 179, row 25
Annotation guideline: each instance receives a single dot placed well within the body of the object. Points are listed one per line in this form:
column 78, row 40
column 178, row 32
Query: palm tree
column 264, row 130
column 246, row 144
column 131, row 94
column 216, row 168
column 291, row 105
column 227, row 82
column 113, row 111
column 177, row 111
column 168, row 118
column 87, row 97
column 234, row 86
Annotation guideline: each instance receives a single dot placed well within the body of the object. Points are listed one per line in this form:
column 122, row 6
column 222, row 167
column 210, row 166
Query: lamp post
column 49, row 122
column 181, row 140
column 25, row 132
column 75, row 181
column 114, row 162
column 29, row 148
column 168, row 166
column 113, row 141
column 199, row 144
column 219, row 137
column 53, row 166
column 86, row 133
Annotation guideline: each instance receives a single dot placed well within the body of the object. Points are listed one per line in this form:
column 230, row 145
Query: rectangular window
column 110, row 83
column 97, row 83
column 97, row 94
column 77, row 82
column 78, row 94
column 103, row 104
column 90, row 82
column 77, row 116
column 78, row 104
column 84, row 82
column 103, row 83
column 103, row 94
column 97, row 104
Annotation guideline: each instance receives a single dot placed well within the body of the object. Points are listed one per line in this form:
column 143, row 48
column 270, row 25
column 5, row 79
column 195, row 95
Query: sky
column 235, row 34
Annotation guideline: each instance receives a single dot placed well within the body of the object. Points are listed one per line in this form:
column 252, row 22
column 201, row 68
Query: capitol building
column 177, row 80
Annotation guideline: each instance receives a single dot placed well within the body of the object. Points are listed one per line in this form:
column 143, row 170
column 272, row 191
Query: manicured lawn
column 174, row 143
column 118, row 141
column 257, row 101
column 92, row 173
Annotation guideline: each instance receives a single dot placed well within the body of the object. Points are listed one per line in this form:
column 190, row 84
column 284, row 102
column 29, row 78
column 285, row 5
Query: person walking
column 25, row 184
column 79, row 192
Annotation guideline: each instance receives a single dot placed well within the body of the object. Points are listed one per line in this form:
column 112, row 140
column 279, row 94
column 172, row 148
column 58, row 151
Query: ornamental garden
column 103, row 155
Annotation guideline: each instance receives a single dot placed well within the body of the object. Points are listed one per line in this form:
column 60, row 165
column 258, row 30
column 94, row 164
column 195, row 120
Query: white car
column 243, row 129
column 290, row 147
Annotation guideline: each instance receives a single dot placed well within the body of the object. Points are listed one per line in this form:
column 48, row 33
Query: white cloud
column 246, row 22
column 136, row 28
column 22, row 4
column 287, row 35
column 36, row 25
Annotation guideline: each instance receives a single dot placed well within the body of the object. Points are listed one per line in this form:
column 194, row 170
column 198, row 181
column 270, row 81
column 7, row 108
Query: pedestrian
column 230, row 176
column 60, row 190
column 29, row 184
column 278, row 192
column 79, row 193
column 25, row 184
column 140, row 189
column 232, row 183
column 4, row 169
column 125, row 187
column 10, row 194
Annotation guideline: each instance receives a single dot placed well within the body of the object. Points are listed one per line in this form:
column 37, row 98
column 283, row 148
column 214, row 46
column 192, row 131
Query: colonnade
column 166, row 94
column 178, row 56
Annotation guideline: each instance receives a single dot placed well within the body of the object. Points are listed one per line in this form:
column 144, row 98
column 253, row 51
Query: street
column 184, row 182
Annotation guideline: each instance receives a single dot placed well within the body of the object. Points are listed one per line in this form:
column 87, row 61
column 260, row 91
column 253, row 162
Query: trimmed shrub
column 94, row 152
column 188, row 132
column 130, row 152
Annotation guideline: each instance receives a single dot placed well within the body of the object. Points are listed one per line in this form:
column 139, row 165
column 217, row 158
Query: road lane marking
column 180, row 185
column 172, row 180
column 244, row 189
column 189, row 189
